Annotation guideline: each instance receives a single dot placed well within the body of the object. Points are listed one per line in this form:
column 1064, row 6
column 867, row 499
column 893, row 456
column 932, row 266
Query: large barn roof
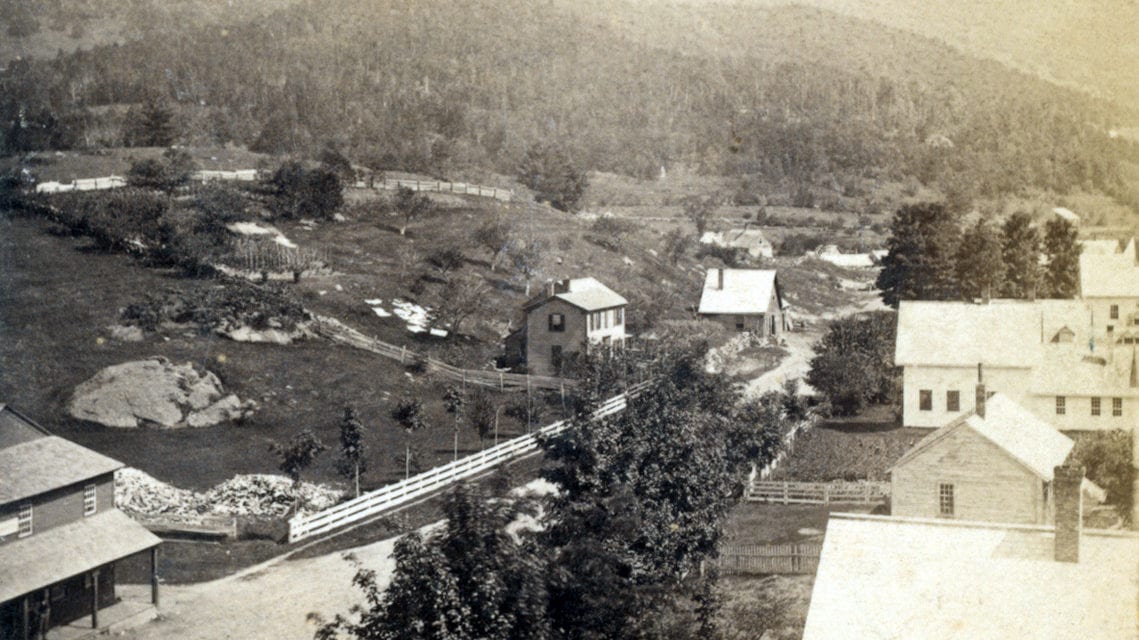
column 882, row 577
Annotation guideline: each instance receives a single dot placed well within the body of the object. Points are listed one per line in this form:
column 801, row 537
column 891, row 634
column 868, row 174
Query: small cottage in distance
column 568, row 316
column 744, row 300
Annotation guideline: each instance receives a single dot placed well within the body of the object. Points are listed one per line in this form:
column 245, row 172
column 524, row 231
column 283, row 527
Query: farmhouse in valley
column 992, row 464
column 1050, row 356
column 567, row 317
column 889, row 577
column 744, row 300
column 751, row 241
column 61, row 537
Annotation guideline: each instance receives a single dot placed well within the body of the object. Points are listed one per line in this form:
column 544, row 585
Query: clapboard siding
column 989, row 484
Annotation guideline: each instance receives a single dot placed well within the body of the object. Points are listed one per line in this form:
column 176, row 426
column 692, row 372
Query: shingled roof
column 744, row 291
column 584, row 293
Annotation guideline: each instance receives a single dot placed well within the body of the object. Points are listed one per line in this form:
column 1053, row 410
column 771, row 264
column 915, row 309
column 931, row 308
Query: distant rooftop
column 1110, row 275
column 883, row 577
column 744, row 291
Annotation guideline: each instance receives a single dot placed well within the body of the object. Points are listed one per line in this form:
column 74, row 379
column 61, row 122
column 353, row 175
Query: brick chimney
column 979, row 402
column 720, row 279
column 1067, row 495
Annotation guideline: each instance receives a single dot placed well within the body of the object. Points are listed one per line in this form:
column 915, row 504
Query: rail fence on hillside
column 376, row 502
column 339, row 332
column 438, row 186
column 252, row 175
column 796, row 558
column 818, row 492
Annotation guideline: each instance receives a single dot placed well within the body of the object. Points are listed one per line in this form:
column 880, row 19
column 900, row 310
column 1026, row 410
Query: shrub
column 446, row 259
column 300, row 192
column 1106, row 456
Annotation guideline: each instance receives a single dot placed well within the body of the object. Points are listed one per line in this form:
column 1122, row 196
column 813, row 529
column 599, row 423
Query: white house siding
column 607, row 323
column 1101, row 309
column 1013, row 382
column 1078, row 416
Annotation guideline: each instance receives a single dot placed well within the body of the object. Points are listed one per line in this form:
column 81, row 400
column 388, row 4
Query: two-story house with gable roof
column 61, row 536
column 569, row 316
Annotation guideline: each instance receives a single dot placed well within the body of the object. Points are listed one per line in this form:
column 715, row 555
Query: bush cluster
column 225, row 306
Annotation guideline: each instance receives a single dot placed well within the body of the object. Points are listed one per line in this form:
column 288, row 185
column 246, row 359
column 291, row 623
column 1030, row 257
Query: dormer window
column 557, row 322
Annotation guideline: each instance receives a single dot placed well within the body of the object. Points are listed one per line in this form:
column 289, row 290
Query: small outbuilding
column 744, row 300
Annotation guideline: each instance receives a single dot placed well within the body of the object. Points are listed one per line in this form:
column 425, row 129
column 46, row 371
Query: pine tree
column 1020, row 252
column 1062, row 275
column 921, row 262
column 980, row 266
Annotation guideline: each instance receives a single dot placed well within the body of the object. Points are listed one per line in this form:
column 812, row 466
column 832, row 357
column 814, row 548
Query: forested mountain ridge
column 785, row 94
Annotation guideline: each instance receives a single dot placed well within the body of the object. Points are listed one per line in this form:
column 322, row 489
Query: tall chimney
column 1067, row 495
column 979, row 402
column 720, row 279
column 551, row 287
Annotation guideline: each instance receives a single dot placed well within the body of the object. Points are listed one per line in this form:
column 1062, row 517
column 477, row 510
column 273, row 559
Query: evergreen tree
column 152, row 125
column 352, row 450
column 980, row 266
column 553, row 177
column 1061, row 245
column 921, row 262
column 1020, row 252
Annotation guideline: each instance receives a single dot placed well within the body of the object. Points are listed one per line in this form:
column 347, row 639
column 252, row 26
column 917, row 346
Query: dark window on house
column 90, row 504
column 604, row 319
column 952, row 400
column 556, row 357
column 557, row 322
column 620, row 313
column 24, row 521
column 740, row 323
column 1117, row 407
column 1114, row 312
column 925, row 400
column 945, row 500
column 1095, row 407
column 1061, row 405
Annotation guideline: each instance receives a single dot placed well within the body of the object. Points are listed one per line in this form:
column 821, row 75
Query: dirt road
column 272, row 600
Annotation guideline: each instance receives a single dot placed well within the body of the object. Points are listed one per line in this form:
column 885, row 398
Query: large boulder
column 156, row 392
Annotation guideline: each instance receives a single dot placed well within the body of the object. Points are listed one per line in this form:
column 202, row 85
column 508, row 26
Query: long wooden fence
column 339, row 332
column 818, row 492
column 438, row 186
column 386, row 498
column 795, row 558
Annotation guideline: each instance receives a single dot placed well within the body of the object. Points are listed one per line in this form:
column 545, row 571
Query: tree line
column 932, row 257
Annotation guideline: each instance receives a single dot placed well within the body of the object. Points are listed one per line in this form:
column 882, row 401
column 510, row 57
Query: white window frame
column 90, row 500
column 25, row 521
column 946, row 496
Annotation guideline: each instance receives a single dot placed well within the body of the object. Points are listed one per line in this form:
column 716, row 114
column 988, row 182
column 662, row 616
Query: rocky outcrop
column 158, row 393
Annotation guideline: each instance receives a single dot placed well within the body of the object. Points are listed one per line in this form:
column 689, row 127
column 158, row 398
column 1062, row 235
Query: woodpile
column 254, row 495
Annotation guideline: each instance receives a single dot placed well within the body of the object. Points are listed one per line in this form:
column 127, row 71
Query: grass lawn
column 762, row 523
column 771, row 607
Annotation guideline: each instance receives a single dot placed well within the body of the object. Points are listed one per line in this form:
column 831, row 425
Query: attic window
column 945, row 500
column 557, row 322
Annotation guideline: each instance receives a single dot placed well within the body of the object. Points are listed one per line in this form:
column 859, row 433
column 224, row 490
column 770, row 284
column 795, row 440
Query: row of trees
column 620, row 551
column 932, row 258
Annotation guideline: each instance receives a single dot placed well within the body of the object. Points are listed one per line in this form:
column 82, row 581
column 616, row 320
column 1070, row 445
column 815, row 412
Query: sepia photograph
column 569, row 319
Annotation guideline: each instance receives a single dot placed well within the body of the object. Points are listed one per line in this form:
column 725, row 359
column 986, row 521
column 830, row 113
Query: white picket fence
column 463, row 188
column 394, row 495
column 86, row 184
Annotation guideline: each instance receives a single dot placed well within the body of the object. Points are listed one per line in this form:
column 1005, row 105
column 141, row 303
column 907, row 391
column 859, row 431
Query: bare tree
column 462, row 296
column 526, row 255
column 493, row 235
column 699, row 210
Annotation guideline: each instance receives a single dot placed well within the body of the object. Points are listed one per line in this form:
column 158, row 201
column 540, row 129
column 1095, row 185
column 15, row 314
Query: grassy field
column 57, row 298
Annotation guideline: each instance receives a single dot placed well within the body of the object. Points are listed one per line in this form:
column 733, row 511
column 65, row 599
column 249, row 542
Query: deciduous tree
column 408, row 414
column 699, row 211
column 552, row 176
column 352, row 461
column 493, row 235
column 298, row 453
column 854, row 362
column 411, row 205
